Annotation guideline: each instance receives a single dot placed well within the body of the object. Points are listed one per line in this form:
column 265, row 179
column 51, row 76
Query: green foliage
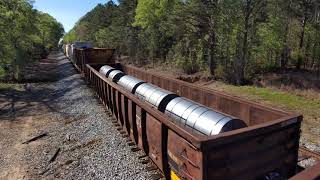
column 150, row 12
column 233, row 40
column 70, row 37
column 50, row 31
column 26, row 35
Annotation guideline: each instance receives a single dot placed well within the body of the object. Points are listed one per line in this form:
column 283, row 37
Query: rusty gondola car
column 267, row 148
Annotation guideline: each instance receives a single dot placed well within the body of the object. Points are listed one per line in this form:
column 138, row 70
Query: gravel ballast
column 79, row 132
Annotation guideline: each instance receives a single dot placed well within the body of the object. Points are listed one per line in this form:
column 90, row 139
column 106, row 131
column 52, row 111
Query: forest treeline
column 232, row 39
column 26, row 35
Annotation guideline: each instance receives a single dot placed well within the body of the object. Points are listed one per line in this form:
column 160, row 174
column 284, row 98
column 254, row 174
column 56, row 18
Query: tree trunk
column 318, row 69
column 244, row 54
column 238, row 71
column 285, row 49
column 212, row 64
column 284, row 57
column 300, row 58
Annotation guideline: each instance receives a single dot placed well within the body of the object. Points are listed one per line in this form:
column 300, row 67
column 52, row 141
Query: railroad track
column 311, row 172
column 305, row 154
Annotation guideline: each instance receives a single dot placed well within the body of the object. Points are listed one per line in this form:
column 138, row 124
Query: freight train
column 70, row 48
column 191, row 132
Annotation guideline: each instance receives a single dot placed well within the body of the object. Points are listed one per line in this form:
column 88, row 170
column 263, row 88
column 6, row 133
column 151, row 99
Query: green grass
column 4, row 86
column 308, row 107
column 282, row 99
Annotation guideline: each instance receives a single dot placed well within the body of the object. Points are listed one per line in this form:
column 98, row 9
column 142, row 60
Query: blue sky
column 67, row 12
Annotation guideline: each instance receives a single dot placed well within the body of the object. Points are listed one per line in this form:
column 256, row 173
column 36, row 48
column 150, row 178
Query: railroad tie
column 125, row 135
column 156, row 176
column 145, row 161
column 135, row 149
column 119, row 128
column 142, row 156
column 131, row 143
column 151, row 168
column 113, row 119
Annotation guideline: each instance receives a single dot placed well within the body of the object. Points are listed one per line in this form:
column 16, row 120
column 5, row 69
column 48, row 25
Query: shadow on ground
column 38, row 94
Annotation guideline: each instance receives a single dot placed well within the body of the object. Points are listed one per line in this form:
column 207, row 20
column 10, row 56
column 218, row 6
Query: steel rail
column 306, row 153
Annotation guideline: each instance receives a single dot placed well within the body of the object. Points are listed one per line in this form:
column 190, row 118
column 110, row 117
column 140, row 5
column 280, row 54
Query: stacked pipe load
column 155, row 96
column 130, row 83
column 199, row 118
column 105, row 70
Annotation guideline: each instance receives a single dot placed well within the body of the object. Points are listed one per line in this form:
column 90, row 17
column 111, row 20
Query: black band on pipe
column 136, row 86
column 117, row 77
column 107, row 74
column 165, row 101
